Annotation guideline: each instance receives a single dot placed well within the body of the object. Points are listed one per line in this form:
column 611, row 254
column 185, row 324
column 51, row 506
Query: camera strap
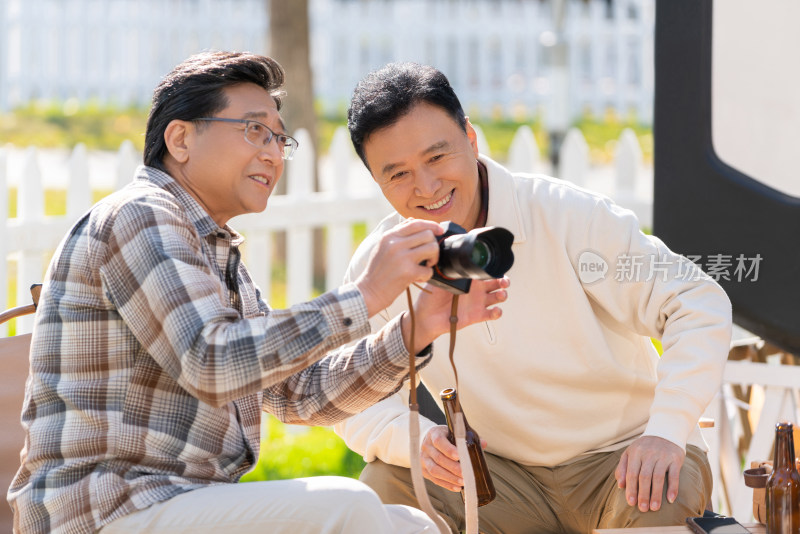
column 470, row 491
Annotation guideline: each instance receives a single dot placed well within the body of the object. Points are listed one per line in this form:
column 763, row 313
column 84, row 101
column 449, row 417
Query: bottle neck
column 452, row 405
column 784, row 447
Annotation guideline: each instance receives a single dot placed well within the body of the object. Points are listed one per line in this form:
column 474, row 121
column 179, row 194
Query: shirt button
column 347, row 321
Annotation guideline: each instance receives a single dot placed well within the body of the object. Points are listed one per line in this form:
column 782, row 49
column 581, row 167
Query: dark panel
column 703, row 206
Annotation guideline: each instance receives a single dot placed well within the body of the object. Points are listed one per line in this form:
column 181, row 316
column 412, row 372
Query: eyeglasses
column 259, row 135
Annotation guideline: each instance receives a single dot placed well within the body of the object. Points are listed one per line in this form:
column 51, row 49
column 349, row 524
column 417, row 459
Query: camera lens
column 481, row 254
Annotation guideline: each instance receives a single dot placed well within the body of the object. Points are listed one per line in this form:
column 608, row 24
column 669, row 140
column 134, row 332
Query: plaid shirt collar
column 201, row 220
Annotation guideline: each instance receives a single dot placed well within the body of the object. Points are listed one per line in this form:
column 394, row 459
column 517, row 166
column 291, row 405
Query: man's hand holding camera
column 404, row 256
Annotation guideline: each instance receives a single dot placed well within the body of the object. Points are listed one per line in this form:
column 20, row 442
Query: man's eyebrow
column 389, row 167
column 263, row 115
column 439, row 145
column 436, row 146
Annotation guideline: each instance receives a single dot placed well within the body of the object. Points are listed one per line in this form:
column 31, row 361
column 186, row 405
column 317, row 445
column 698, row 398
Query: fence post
column 127, row 161
column 299, row 250
column 258, row 256
column 628, row 166
column 573, row 158
column 523, row 154
column 257, row 253
column 30, row 212
column 627, row 162
column 3, row 251
column 79, row 193
column 340, row 235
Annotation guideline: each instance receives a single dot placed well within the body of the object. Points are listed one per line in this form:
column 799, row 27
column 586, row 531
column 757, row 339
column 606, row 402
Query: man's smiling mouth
column 438, row 204
column 261, row 179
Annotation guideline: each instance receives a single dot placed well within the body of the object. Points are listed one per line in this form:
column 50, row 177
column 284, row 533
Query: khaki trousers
column 317, row 505
column 569, row 499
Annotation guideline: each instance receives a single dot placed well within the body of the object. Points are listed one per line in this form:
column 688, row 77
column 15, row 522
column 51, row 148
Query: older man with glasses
column 153, row 353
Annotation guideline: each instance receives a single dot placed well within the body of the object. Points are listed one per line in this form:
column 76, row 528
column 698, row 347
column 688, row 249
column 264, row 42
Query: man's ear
column 472, row 136
column 178, row 137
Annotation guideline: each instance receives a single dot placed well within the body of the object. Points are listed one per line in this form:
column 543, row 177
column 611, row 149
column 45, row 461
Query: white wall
column 755, row 78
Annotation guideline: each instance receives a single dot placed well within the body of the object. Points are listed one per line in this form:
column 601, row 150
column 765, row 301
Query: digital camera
column 480, row 254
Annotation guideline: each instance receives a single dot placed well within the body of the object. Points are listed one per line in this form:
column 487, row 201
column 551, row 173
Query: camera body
column 480, row 254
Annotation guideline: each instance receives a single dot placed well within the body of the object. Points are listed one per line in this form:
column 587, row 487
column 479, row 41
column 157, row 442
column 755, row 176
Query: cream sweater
column 569, row 369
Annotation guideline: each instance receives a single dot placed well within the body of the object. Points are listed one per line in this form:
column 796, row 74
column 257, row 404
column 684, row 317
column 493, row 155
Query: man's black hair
column 386, row 95
column 195, row 89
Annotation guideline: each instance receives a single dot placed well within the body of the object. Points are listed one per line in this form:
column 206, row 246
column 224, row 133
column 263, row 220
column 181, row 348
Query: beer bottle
column 783, row 486
column 483, row 480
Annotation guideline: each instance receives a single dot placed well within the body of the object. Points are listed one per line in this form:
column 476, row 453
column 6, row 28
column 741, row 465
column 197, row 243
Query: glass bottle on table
column 783, row 485
column 483, row 480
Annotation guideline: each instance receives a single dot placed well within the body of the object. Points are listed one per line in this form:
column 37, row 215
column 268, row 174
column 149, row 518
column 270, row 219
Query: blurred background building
column 515, row 59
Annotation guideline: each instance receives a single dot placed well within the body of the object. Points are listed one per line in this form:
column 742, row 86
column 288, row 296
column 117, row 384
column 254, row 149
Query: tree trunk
column 289, row 45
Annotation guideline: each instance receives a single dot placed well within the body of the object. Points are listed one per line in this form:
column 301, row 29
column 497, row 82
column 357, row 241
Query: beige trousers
column 569, row 499
column 317, row 505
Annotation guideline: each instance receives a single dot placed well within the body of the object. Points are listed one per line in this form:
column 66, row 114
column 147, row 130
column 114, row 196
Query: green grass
column 64, row 124
column 325, row 130
column 602, row 135
column 303, row 452
column 499, row 135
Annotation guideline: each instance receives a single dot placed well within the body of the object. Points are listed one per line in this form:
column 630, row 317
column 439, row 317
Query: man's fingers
column 411, row 226
column 437, row 447
column 486, row 293
column 439, row 460
column 442, row 445
column 441, row 476
column 622, row 470
column 645, row 483
column 645, row 467
column 672, row 482
column 496, row 297
column 657, row 484
column 632, row 480
column 421, row 245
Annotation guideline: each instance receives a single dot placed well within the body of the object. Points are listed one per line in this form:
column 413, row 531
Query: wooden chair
column 15, row 364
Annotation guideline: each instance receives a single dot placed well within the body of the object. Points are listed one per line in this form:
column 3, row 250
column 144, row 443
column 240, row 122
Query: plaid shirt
column 153, row 356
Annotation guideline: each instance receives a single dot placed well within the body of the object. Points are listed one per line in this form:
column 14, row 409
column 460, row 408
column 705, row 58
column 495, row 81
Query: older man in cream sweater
column 585, row 425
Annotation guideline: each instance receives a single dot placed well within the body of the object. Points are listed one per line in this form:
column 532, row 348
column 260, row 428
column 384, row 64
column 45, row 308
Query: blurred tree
column 289, row 44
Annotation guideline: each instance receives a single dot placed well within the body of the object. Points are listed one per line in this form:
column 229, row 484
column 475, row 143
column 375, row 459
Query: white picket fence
column 348, row 196
column 31, row 237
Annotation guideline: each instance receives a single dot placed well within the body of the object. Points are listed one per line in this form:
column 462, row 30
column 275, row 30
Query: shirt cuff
column 348, row 314
column 396, row 347
column 671, row 427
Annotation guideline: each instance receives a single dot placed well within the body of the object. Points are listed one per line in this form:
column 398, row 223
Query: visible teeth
column 259, row 179
column 437, row 205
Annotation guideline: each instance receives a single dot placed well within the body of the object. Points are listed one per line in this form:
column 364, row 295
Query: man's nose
column 271, row 152
column 426, row 183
